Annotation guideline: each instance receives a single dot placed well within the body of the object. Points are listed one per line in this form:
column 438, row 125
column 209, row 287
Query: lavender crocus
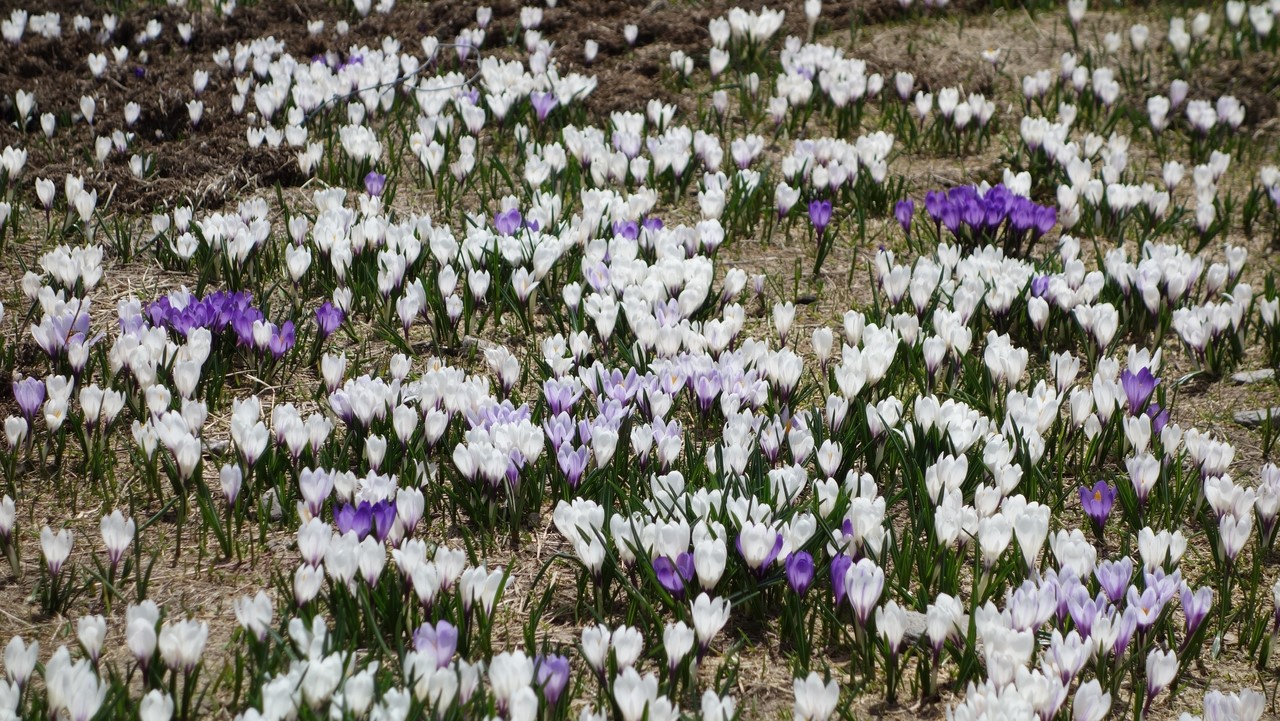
column 508, row 221
column 559, row 429
column 543, row 104
column 839, row 567
column 384, row 517
column 573, row 462
column 329, row 318
column 628, row 229
column 904, row 211
column 438, row 641
column 553, row 676
column 1147, row 604
column 1084, row 609
column 820, row 215
column 1128, row 625
column 358, row 518
column 1039, row 286
column 1159, row 417
column 800, row 572
column 674, row 575
column 282, row 340
column 1138, row 388
column 560, row 395
column 1195, row 606
column 1097, row 502
column 374, row 183
column 29, row 394
column 1114, row 577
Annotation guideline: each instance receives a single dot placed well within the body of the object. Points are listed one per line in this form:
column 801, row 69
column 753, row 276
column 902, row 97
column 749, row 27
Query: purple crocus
column 508, row 221
column 358, row 518
column 560, row 395
column 1147, row 604
column 628, row 229
column 1128, row 624
column 553, row 676
column 374, row 183
column 839, row 567
column 282, row 340
column 1045, row 218
column 820, row 215
column 559, row 429
column 800, row 572
column 1097, row 502
column 1039, row 286
column 1084, row 609
column 1159, row 417
column 543, row 104
column 384, row 517
column 1114, row 577
column 438, row 641
column 573, row 462
column 934, row 202
column 1138, row 388
column 706, row 386
column 1195, row 606
column 29, row 393
column 328, row 319
column 674, row 575
column 904, row 211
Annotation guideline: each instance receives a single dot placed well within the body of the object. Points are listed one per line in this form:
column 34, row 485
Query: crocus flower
column 117, row 534
column 1195, row 606
column 543, row 104
column 56, row 548
column 1159, row 417
column 1097, row 502
column 863, row 584
column 374, row 183
column 282, row 340
column 904, row 211
column 814, row 700
column 1138, row 388
column 1039, row 286
column 383, row 517
column 820, row 215
column 1162, row 666
column 438, row 641
column 673, row 575
column 1147, row 604
column 328, row 318
column 358, row 518
column 1084, row 609
column 800, row 572
column 628, row 229
column 1128, row 625
column 1090, row 703
column 508, row 221
column 552, row 673
column 1114, row 577
column 759, row 545
column 840, row 566
column 29, row 394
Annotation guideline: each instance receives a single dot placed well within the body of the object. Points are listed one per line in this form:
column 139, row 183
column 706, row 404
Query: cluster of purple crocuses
column 222, row 309
column 979, row 218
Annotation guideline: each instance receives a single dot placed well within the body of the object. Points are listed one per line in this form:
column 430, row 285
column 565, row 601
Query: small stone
column 1255, row 418
column 1246, row 377
column 917, row 625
